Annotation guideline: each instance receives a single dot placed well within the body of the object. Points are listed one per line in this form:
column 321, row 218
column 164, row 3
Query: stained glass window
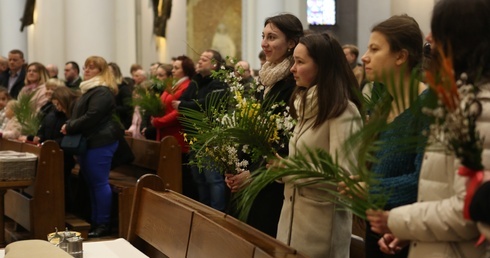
column 321, row 12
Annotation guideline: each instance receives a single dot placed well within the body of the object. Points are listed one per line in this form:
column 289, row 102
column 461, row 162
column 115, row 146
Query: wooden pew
column 151, row 157
column 165, row 223
column 40, row 207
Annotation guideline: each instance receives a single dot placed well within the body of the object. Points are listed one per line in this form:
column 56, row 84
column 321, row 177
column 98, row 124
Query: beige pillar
column 10, row 35
column 90, row 29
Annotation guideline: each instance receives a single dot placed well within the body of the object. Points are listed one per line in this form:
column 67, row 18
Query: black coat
column 266, row 208
column 19, row 83
column 93, row 117
column 196, row 94
column 124, row 109
column 51, row 124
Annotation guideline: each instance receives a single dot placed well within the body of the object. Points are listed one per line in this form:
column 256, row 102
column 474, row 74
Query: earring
column 289, row 50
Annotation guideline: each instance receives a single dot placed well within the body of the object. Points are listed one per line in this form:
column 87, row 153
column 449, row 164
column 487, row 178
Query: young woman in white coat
column 326, row 108
column 434, row 226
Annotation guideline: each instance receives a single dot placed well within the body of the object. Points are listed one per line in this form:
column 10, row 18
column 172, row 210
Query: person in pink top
column 168, row 124
column 35, row 83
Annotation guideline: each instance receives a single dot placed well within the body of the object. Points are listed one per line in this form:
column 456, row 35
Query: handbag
column 74, row 144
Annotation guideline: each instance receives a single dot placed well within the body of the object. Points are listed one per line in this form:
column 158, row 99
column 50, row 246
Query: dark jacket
column 266, row 208
column 280, row 92
column 197, row 92
column 19, row 83
column 123, row 104
column 51, row 124
column 74, row 85
column 93, row 117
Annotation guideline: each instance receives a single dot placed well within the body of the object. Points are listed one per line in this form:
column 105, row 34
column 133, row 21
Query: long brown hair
column 43, row 73
column 288, row 24
column 66, row 97
column 403, row 32
column 335, row 80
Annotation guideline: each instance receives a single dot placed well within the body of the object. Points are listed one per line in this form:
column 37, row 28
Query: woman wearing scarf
column 93, row 117
column 280, row 36
column 169, row 125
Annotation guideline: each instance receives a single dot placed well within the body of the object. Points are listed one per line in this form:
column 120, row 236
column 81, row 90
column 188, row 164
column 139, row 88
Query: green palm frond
column 26, row 114
column 319, row 168
column 149, row 102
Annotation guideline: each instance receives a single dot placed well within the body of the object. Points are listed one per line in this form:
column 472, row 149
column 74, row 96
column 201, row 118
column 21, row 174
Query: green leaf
column 25, row 112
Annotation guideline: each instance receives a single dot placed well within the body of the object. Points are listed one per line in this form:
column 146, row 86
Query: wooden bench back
column 146, row 152
column 41, row 206
column 165, row 158
column 165, row 223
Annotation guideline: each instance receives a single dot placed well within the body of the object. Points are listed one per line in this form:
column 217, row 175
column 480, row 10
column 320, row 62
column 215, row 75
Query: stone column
column 90, row 29
column 47, row 35
column 125, row 35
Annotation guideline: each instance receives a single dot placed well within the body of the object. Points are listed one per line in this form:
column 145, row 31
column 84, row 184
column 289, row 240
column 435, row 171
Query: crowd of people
column 323, row 86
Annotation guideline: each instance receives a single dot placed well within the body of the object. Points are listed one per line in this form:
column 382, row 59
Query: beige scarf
column 271, row 73
column 311, row 107
column 92, row 83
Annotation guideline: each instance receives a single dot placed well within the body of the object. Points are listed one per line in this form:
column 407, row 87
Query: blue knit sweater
column 398, row 167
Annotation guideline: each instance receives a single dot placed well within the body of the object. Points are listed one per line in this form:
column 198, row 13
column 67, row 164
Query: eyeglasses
column 90, row 67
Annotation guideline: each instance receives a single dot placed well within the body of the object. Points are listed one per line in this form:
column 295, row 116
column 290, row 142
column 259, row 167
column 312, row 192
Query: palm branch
column 149, row 102
column 320, row 168
column 26, row 114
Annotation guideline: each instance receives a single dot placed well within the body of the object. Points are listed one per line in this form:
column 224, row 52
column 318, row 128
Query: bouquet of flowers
column 148, row 98
column 235, row 129
column 454, row 128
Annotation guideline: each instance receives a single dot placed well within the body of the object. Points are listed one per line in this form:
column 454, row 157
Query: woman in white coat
column 326, row 107
column 434, row 226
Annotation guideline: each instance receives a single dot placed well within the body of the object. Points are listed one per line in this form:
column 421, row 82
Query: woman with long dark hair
column 434, row 226
column 280, row 36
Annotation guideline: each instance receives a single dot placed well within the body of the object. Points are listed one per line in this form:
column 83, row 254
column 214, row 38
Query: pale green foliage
column 26, row 114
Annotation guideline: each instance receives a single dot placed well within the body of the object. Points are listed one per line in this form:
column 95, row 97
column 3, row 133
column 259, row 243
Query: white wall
column 420, row 10
column 254, row 13
column 10, row 35
column 125, row 35
column 176, row 31
column 48, row 49
column 369, row 13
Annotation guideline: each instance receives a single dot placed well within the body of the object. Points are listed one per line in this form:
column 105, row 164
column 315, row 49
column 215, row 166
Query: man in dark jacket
column 13, row 78
column 210, row 182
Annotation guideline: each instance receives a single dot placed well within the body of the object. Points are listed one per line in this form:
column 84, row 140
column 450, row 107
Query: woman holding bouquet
column 280, row 36
column 434, row 226
column 168, row 124
column 93, row 117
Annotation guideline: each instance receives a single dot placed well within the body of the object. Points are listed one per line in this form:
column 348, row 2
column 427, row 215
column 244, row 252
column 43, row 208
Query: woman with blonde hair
column 93, row 118
column 35, row 84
